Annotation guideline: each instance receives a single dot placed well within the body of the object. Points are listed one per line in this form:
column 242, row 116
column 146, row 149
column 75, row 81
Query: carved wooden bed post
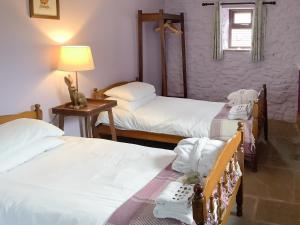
column 217, row 185
column 199, row 205
column 39, row 112
column 240, row 157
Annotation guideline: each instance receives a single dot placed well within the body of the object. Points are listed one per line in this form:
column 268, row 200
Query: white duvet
column 81, row 182
column 175, row 116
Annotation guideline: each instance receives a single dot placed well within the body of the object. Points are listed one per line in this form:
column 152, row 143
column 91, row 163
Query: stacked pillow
column 132, row 96
column 240, row 112
column 23, row 139
column 242, row 96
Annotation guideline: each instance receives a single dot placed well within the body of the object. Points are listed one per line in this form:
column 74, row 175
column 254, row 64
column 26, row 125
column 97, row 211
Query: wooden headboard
column 37, row 113
column 99, row 93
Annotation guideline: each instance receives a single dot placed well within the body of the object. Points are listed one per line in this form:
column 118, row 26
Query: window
column 240, row 28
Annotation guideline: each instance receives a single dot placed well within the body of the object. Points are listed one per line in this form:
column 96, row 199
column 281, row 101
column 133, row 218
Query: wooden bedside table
column 90, row 113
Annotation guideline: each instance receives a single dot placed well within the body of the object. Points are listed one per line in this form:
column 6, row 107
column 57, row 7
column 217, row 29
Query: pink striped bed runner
column 219, row 121
column 138, row 210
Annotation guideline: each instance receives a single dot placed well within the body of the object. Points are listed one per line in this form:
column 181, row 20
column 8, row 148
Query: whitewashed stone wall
column 213, row 81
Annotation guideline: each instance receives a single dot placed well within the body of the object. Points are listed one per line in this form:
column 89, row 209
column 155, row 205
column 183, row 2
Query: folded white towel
column 242, row 96
column 163, row 213
column 202, row 154
column 174, row 202
column 240, row 112
column 176, row 195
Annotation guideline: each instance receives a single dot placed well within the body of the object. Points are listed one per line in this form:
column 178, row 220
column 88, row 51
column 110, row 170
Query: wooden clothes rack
column 162, row 18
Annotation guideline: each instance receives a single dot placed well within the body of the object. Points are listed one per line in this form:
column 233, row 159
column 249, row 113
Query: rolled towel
column 184, row 153
column 242, row 96
column 203, row 153
column 206, row 153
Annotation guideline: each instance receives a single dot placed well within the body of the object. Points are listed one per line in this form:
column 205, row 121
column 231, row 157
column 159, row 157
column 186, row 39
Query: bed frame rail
column 207, row 205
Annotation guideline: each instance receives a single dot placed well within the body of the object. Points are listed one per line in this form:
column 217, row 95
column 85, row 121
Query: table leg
column 61, row 122
column 88, row 127
column 112, row 125
column 94, row 130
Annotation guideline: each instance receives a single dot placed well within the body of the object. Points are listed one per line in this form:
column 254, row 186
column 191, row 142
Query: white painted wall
column 28, row 50
column 215, row 80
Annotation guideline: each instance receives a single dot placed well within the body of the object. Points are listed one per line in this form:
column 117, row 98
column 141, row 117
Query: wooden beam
column 173, row 17
column 140, row 46
column 151, row 17
column 163, row 55
column 183, row 47
column 147, row 17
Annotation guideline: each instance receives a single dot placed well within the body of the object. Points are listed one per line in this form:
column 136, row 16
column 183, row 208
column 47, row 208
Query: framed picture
column 47, row 9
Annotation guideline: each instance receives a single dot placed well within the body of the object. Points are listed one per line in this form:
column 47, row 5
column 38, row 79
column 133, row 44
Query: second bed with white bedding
column 174, row 116
column 81, row 182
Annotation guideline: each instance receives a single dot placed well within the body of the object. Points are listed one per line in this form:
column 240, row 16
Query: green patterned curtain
column 258, row 33
column 218, row 49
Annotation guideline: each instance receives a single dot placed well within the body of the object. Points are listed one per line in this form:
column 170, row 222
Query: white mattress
column 175, row 116
column 79, row 183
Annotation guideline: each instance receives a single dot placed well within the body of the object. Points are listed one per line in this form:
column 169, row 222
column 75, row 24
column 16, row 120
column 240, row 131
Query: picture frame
column 45, row 9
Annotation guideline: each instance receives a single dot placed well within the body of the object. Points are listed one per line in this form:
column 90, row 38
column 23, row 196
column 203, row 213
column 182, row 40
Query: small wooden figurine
column 78, row 99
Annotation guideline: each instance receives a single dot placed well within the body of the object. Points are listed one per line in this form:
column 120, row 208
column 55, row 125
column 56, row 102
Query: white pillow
column 242, row 96
column 16, row 157
column 132, row 91
column 21, row 132
column 132, row 106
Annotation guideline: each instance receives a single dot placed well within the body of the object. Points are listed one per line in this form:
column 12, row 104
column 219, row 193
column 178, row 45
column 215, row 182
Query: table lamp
column 75, row 59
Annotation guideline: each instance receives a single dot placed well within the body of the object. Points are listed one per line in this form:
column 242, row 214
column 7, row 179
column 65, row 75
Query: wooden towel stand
column 162, row 18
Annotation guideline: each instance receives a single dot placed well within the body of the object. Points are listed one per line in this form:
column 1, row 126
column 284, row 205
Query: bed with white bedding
column 173, row 116
column 46, row 178
column 141, row 114
column 82, row 182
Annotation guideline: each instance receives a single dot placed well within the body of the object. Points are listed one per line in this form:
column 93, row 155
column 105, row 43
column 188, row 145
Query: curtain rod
column 239, row 3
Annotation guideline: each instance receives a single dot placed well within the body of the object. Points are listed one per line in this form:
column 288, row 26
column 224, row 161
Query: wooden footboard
column 207, row 205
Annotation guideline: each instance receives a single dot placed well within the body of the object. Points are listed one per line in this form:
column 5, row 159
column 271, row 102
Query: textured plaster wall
column 215, row 80
column 28, row 51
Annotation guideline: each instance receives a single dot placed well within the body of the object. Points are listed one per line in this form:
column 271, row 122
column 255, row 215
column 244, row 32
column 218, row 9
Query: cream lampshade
column 75, row 59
